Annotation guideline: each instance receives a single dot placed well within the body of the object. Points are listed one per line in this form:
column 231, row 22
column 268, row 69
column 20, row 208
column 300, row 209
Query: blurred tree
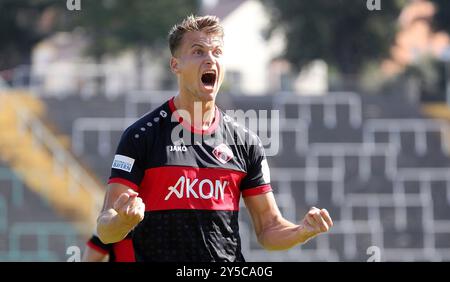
column 441, row 20
column 345, row 34
column 114, row 25
column 22, row 25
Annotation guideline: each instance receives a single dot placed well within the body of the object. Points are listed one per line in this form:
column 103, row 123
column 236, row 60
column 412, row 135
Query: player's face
column 199, row 65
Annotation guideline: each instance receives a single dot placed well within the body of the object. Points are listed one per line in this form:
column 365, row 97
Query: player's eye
column 198, row 52
column 218, row 52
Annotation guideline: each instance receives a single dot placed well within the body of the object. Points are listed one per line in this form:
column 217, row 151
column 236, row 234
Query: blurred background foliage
column 350, row 38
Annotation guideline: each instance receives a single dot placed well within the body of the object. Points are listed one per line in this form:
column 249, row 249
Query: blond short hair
column 207, row 24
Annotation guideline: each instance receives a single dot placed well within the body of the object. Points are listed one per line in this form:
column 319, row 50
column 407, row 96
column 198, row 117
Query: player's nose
column 209, row 58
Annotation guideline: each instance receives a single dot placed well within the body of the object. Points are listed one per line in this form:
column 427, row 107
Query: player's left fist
column 317, row 221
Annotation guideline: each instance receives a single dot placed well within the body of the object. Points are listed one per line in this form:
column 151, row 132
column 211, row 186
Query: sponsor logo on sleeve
column 123, row 163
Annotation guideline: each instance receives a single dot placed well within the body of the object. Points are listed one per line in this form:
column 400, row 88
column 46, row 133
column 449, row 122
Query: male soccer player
column 188, row 186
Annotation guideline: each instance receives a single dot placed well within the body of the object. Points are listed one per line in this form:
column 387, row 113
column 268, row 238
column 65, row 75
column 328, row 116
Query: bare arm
column 122, row 211
column 275, row 232
column 91, row 255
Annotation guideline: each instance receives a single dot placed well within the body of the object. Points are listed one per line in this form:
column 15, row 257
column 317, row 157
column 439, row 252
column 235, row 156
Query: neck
column 199, row 113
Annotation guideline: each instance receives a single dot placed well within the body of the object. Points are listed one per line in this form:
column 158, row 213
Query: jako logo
column 177, row 148
column 206, row 188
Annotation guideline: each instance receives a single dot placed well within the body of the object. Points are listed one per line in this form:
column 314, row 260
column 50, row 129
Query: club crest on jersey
column 197, row 188
column 223, row 153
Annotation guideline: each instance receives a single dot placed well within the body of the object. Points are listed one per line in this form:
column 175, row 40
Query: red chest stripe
column 175, row 187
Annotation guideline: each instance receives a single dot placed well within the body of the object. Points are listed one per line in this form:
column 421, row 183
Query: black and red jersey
column 121, row 251
column 191, row 182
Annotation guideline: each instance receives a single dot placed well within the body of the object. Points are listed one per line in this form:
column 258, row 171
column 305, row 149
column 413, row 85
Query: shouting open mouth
column 209, row 79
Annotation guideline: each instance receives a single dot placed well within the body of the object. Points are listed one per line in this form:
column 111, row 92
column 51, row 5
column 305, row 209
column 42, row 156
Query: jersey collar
column 191, row 128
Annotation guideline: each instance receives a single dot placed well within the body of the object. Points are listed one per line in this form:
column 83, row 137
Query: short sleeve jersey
column 191, row 182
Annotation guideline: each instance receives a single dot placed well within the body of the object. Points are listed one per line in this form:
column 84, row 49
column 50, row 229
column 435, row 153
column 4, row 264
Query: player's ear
column 174, row 65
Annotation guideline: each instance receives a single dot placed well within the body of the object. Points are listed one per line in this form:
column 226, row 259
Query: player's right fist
column 130, row 208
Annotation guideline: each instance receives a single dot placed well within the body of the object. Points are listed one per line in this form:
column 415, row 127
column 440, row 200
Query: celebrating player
column 180, row 193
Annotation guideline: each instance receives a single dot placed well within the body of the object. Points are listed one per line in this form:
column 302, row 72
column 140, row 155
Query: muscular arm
column 275, row 232
column 122, row 211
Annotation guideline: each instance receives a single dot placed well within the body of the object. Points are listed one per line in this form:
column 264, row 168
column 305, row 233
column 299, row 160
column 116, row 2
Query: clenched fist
column 317, row 221
column 129, row 208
